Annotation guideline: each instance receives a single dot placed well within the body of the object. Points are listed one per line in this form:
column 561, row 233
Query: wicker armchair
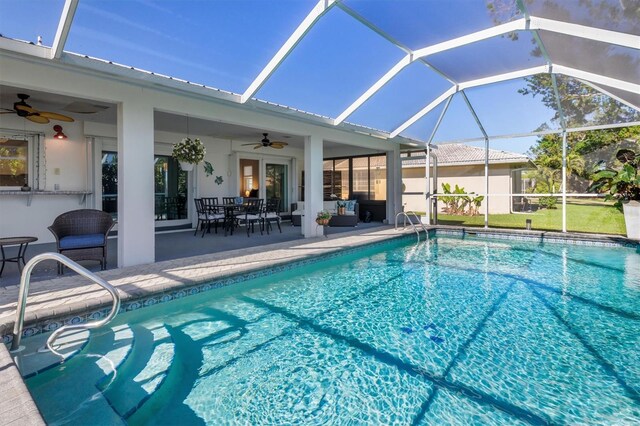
column 82, row 235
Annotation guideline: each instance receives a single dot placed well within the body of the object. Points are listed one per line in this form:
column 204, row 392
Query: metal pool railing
column 408, row 215
column 25, row 280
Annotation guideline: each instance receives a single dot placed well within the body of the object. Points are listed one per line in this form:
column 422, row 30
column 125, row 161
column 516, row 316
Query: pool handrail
column 406, row 216
column 25, row 280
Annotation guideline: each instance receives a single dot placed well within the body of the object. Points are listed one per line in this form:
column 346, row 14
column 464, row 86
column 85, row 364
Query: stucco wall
column 471, row 178
column 63, row 163
column 66, row 165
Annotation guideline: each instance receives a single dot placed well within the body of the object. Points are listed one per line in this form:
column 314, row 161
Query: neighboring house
column 463, row 165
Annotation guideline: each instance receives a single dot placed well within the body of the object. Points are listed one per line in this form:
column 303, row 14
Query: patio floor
column 169, row 245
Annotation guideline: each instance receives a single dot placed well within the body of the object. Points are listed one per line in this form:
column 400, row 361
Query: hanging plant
column 189, row 151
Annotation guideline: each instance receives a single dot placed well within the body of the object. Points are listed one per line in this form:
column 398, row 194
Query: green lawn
column 583, row 215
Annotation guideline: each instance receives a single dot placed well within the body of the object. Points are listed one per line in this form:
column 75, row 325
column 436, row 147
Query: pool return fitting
column 25, row 280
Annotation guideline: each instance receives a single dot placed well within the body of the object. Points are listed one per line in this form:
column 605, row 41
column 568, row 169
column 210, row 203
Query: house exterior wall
column 63, row 163
column 471, row 178
column 77, row 172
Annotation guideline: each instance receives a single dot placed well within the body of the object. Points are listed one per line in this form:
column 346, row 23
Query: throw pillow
column 351, row 205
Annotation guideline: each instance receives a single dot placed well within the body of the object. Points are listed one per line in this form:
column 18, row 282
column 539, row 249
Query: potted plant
column 342, row 207
column 188, row 152
column 623, row 185
column 323, row 218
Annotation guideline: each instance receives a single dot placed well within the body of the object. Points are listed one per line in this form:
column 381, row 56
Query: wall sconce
column 59, row 135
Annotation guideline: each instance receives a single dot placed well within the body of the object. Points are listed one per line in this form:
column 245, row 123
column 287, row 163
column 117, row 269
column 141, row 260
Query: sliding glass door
column 276, row 184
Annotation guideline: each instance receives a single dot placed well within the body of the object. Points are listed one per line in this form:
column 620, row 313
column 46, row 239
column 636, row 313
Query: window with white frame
column 14, row 162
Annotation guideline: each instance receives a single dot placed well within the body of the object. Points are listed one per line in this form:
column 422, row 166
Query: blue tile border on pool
column 53, row 324
column 539, row 237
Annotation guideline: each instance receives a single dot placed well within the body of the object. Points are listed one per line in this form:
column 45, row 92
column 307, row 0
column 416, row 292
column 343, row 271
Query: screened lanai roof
column 429, row 70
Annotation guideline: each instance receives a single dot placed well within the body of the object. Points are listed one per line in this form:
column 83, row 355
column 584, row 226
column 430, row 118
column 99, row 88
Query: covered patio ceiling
column 433, row 71
column 105, row 113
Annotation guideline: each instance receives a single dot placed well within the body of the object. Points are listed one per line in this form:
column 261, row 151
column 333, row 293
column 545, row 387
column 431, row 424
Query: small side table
column 23, row 242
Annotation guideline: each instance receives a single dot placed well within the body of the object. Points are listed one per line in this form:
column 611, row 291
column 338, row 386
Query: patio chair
column 82, row 235
column 207, row 214
column 252, row 214
column 272, row 213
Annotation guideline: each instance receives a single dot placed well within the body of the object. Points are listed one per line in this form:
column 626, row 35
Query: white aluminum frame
column 529, row 23
column 64, row 25
column 316, row 13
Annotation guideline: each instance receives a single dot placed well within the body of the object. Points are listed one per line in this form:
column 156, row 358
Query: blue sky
column 225, row 44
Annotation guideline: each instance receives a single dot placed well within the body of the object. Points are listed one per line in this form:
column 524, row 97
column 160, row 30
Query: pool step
column 180, row 380
column 142, row 371
column 115, row 350
column 34, row 359
column 106, row 347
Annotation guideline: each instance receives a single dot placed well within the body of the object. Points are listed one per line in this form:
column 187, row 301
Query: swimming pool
column 452, row 330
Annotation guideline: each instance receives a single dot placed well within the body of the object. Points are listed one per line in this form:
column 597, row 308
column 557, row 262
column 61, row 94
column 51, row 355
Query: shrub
column 548, row 202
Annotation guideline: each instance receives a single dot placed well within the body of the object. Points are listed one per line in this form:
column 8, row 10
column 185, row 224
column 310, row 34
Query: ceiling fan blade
column 247, row 144
column 7, row 112
column 278, row 145
column 37, row 119
column 275, row 146
column 257, row 146
column 55, row 116
column 26, row 108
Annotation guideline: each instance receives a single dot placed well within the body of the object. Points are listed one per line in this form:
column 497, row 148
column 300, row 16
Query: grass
column 583, row 215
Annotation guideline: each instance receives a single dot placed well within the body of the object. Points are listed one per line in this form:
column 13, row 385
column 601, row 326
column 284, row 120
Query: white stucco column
column 136, row 238
column 394, row 184
column 313, row 156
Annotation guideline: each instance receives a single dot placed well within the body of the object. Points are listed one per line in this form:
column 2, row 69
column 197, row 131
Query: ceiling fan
column 266, row 143
column 27, row 111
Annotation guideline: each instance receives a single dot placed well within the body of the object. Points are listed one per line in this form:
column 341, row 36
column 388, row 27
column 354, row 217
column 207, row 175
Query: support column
column 136, row 238
column 564, row 181
column 394, row 184
column 427, row 174
column 313, row 157
column 486, row 182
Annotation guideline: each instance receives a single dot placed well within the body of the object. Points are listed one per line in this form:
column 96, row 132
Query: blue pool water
column 449, row 331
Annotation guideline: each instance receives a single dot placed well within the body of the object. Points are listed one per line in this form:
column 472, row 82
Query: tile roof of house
column 462, row 154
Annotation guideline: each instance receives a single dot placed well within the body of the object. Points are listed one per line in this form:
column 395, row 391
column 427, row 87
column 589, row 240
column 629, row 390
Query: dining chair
column 272, row 214
column 207, row 214
column 252, row 214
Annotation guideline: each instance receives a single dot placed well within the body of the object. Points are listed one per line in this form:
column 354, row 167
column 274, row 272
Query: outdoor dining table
column 230, row 210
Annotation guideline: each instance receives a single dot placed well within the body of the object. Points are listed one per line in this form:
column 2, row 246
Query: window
column 249, row 178
column 361, row 178
column 14, row 162
column 170, row 189
column 110, row 183
column 170, row 183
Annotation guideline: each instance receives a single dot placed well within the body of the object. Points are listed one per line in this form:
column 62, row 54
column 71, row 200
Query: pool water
column 448, row 331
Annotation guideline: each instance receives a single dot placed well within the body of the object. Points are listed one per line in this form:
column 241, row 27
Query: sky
column 225, row 44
